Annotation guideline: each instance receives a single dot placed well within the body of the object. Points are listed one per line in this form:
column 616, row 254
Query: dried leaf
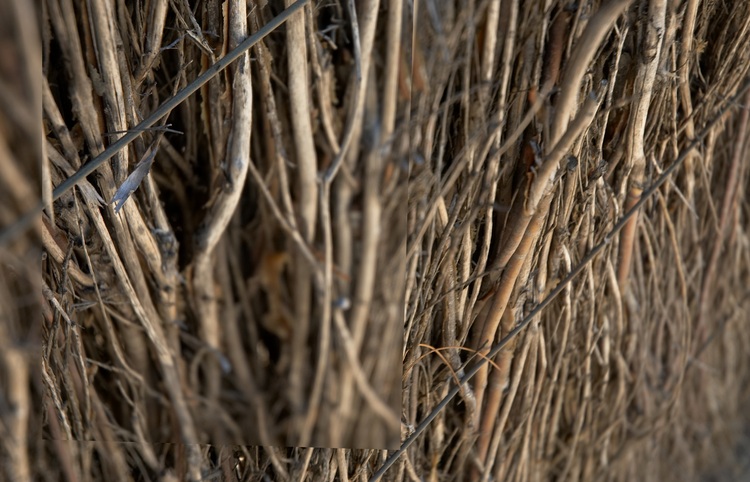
column 134, row 180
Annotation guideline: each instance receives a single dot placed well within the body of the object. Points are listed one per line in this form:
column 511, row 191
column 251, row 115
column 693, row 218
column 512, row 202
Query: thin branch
column 22, row 224
column 560, row 286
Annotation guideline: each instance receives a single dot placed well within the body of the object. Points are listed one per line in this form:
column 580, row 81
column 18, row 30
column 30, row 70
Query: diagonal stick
column 7, row 234
column 733, row 102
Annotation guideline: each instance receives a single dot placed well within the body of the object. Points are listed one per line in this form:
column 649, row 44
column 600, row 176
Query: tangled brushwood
column 272, row 226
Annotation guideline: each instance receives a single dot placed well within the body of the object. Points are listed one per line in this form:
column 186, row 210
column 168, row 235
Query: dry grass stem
column 245, row 211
